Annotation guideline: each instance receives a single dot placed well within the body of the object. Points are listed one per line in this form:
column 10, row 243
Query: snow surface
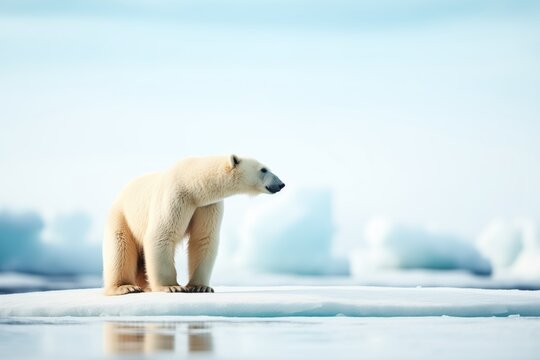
column 279, row 302
column 18, row 282
column 386, row 278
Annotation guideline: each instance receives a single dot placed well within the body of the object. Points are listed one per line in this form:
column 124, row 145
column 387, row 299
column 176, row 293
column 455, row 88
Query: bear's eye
column 263, row 170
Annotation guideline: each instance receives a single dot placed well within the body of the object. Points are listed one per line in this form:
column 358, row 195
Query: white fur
column 155, row 212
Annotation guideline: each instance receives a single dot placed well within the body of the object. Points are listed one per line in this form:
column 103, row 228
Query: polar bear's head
column 253, row 177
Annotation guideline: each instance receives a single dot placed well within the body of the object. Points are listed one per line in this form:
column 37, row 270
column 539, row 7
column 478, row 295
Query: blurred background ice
column 407, row 131
column 291, row 235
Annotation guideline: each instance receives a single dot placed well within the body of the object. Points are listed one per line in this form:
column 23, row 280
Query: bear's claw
column 171, row 289
column 124, row 289
column 199, row 289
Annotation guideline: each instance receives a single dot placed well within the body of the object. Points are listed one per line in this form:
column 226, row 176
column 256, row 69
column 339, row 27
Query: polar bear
column 154, row 212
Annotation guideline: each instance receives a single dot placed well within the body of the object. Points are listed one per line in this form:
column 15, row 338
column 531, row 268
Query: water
column 304, row 338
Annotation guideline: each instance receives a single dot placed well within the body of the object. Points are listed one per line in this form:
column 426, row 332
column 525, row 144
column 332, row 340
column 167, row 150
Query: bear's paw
column 199, row 289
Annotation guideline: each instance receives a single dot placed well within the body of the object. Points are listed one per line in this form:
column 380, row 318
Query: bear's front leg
column 203, row 245
column 160, row 269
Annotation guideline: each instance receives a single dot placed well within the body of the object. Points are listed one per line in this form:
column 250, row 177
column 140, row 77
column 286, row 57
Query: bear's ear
column 235, row 160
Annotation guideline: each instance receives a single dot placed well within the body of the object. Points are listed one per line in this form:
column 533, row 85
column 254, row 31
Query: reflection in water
column 143, row 337
column 199, row 337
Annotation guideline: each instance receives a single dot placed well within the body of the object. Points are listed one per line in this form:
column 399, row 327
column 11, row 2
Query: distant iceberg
column 292, row 234
column 512, row 246
column 391, row 245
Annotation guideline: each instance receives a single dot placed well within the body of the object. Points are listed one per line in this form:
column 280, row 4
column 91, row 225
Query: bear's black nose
column 281, row 186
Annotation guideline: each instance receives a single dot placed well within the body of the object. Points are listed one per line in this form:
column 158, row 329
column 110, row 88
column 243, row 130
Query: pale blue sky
column 427, row 112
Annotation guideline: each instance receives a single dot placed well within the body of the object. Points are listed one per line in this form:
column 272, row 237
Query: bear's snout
column 274, row 188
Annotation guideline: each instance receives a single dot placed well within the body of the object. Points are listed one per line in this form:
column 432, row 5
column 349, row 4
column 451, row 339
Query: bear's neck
column 214, row 187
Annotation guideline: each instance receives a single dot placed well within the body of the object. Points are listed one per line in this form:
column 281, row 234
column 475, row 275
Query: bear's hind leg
column 120, row 258
column 141, row 279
